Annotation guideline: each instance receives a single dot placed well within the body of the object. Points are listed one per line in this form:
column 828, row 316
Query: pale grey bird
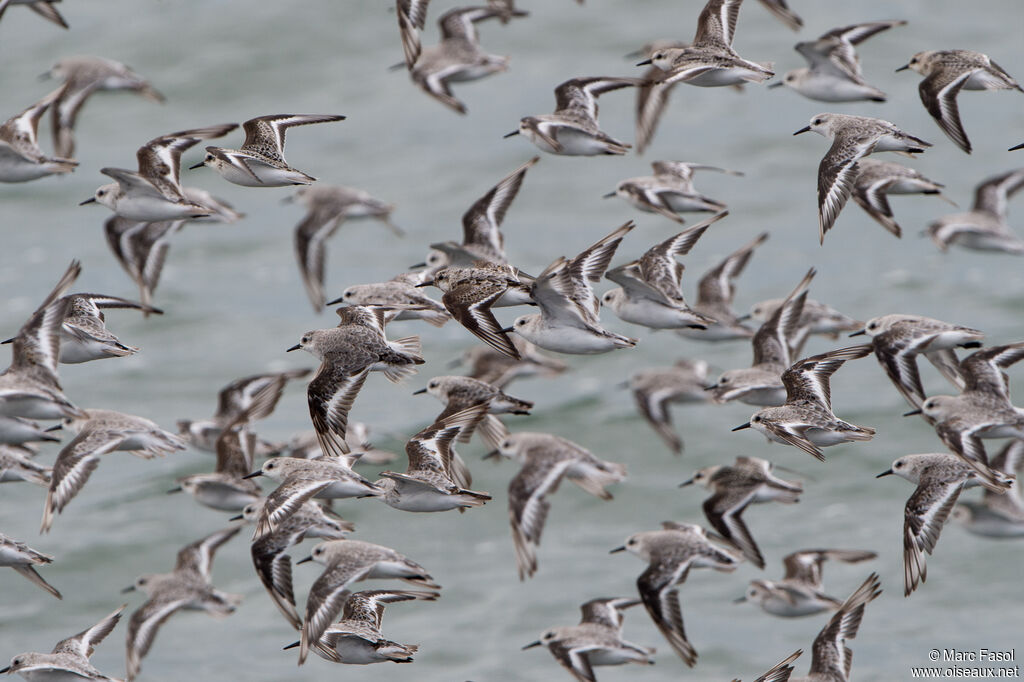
column 670, row 554
column 459, row 393
column 402, row 291
column 597, row 640
column 356, row 639
column 187, row 587
column 997, row 516
column 940, row 477
column 346, row 562
column 84, row 76
column 655, row 389
column 69, row 659
column 806, row 421
column 16, row 464
column 818, row 318
column 876, row 180
column 749, row 481
column 800, row 591
column 21, row 158
column 84, row 334
column 853, row 138
column 24, row 559
column 499, row 370
column 670, row 191
column 946, row 73
column 984, row 227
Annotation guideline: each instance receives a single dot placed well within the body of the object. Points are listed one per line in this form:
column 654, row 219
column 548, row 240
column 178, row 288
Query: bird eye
column 658, row 55
column 143, row 581
column 631, row 541
column 318, row 551
column 913, row 60
column 432, row 384
column 348, row 294
column 304, row 339
column 816, row 122
column 898, row 464
column 756, row 419
column 548, row 635
column 506, row 445
column 209, row 157
column 101, row 192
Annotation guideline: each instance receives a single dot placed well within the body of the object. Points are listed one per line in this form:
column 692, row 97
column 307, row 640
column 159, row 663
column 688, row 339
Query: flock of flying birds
column 790, row 391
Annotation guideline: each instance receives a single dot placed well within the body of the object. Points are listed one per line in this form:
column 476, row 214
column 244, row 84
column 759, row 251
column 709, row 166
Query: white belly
column 654, row 315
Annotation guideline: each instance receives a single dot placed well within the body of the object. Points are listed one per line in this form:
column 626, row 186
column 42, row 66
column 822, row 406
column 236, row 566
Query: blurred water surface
column 234, row 302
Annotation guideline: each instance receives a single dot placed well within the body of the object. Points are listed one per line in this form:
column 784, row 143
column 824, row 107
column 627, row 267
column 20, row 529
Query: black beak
column 805, row 129
column 492, row 453
column 253, row 474
column 887, row 472
column 531, row 645
column 609, row 195
column 56, row 427
column 912, row 413
column 740, row 600
column 340, row 299
column 295, row 347
column 686, row 483
column 237, row 518
column 429, row 283
column 290, row 646
column 514, row 132
column 417, row 266
column 130, row 588
column 743, row 318
column 507, row 330
column 646, row 62
column 90, row 200
column 198, row 165
column 7, row 669
column 620, row 548
column 174, row 490
column 10, row 340
column 903, row 68
column 422, row 390
column 777, row 84
column 742, row 426
column 711, row 387
column 302, row 561
column 860, row 333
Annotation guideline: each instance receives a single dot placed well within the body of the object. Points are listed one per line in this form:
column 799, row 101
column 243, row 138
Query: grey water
column 234, row 302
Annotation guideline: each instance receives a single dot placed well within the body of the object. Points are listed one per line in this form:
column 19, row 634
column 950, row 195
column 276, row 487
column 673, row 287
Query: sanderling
column 356, row 639
column 429, row 483
column 29, row 387
column 459, row 393
column 21, row 159
column 349, row 561
column 652, row 96
column 654, row 389
column 715, row 293
column 303, row 479
column 470, row 293
column 84, row 335
column 101, row 432
column 348, row 353
column 546, row 459
column 141, row 249
column 273, row 565
column 568, row 321
column 853, row 137
column 800, row 591
column 946, row 73
column 499, row 370
column 306, row 445
column 43, row 8
column 235, row 398
column 898, row 339
column 398, row 291
column 188, row 587
column 734, row 488
column 710, row 61
column 984, row 227
column 877, row 179
column 940, row 478
column 671, row 553
column 16, row 464
column 481, row 224
column 597, row 640
column 831, row 658
column 997, row 515
column 18, row 431
column 260, row 161
column 818, row 318
column 457, row 58
column 670, row 190
column 572, row 129
column 228, row 488
column 834, row 74
column 651, row 292
column 982, row 410
column 761, row 383
column 84, row 76
column 327, row 207
column 806, row 420
column 69, row 658
column 24, row 559
column 154, row 193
